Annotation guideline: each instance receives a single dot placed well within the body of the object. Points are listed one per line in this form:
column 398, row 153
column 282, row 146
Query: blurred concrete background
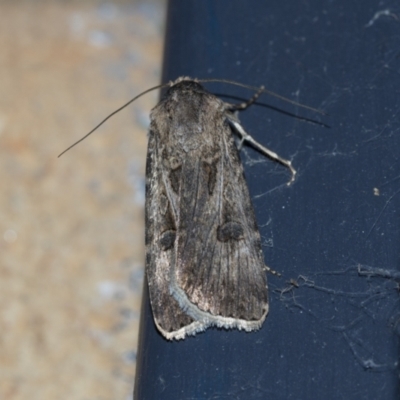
column 71, row 229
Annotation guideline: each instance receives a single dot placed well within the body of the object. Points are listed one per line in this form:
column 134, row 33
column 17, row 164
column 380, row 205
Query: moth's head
column 184, row 85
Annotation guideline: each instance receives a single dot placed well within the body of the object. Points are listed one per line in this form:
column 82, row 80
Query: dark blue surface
column 336, row 336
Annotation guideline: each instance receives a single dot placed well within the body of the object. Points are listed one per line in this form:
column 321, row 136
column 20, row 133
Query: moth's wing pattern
column 169, row 317
column 204, row 259
column 219, row 276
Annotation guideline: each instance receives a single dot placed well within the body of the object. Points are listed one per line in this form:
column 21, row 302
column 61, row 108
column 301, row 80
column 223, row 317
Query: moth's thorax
column 188, row 116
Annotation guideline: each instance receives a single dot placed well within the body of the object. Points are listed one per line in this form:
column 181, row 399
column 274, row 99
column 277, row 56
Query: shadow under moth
column 204, row 261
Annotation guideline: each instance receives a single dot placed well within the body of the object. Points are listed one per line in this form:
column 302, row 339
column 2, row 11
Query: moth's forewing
column 203, row 245
column 169, row 317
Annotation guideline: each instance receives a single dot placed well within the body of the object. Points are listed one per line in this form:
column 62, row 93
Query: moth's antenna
column 263, row 90
column 113, row 113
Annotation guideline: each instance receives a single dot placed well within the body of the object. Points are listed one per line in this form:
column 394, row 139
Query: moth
column 204, row 261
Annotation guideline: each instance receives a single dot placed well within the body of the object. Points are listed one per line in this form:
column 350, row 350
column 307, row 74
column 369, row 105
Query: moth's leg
column 245, row 104
column 246, row 137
